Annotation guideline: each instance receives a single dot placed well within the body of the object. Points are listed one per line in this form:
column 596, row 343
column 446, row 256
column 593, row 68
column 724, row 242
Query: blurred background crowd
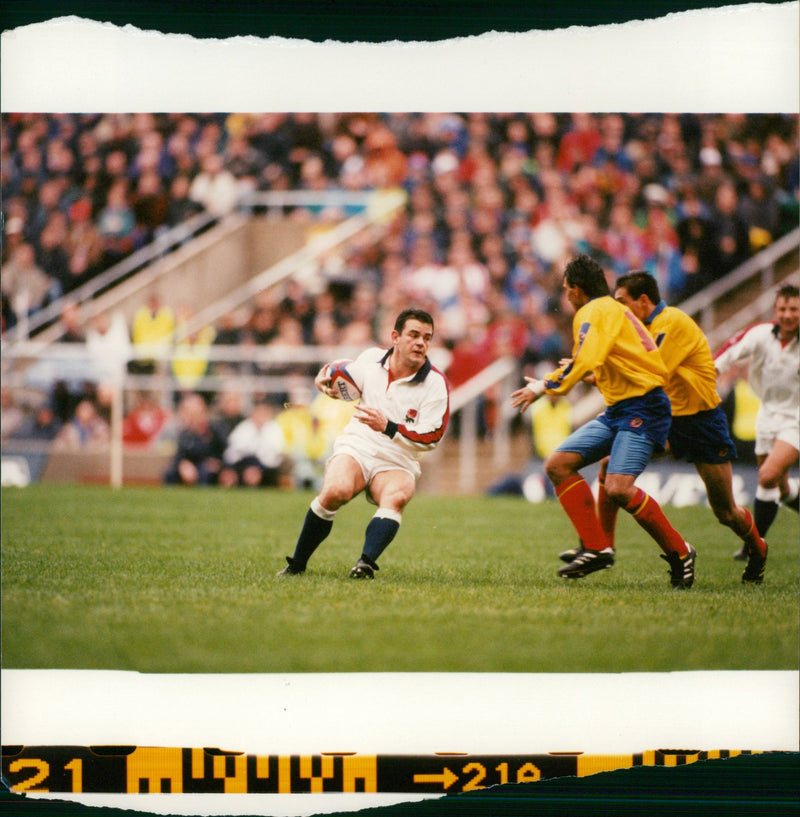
column 496, row 204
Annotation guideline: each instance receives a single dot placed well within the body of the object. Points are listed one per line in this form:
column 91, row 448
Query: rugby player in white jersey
column 402, row 415
column 771, row 349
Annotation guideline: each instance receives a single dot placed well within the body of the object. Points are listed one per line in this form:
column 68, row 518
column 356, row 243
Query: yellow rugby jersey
column 692, row 380
column 611, row 343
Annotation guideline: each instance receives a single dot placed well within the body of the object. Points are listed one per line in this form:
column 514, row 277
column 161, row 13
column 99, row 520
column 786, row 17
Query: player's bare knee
column 395, row 499
column 619, row 489
column 619, row 496
column 557, row 469
column 332, row 497
column 769, row 478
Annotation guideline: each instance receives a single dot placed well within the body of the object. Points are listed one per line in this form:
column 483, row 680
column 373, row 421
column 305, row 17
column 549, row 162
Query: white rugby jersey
column 417, row 407
column 774, row 367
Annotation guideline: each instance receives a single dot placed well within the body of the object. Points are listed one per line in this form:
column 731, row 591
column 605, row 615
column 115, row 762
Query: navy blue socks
column 381, row 529
column 316, row 527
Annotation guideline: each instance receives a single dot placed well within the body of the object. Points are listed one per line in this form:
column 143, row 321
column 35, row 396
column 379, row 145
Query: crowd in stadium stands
column 496, row 205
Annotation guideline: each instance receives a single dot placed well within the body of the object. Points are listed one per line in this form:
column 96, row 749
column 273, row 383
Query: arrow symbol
column 447, row 778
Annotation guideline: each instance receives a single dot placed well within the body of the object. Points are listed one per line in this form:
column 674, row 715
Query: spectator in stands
column 42, row 425
column 25, row 284
column 228, row 412
column 696, row 241
column 214, row 187
column 151, row 331
column 298, row 302
column 362, row 308
column 551, row 424
column 51, row 254
column 731, row 235
column 261, row 329
column 117, row 224
column 611, row 157
column 254, row 454
column 526, row 281
column 357, row 333
column 229, row 335
column 86, row 430
column 760, row 210
column 711, row 174
column 70, row 323
column 147, row 423
column 12, row 414
column 84, row 245
column 150, row 205
column 459, row 290
column 305, row 139
column 579, row 144
column 191, row 358
column 181, row 206
column 290, row 331
column 625, row 241
column 559, row 226
column 325, row 330
column 384, row 163
column 244, row 161
column 198, row 458
column 545, row 341
column 663, row 258
column 308, row 439
column 39, row 212
column 109, row 346
column 14, row 230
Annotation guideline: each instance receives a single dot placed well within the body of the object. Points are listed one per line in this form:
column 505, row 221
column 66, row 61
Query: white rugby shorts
column 771, row 427
column 375, row 459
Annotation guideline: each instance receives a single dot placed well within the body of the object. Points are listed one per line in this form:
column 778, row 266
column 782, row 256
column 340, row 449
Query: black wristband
column 391, row 429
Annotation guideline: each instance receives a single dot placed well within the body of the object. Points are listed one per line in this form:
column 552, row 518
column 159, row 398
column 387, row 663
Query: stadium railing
column 372, row 210
column 705, row 306
column 165, row 242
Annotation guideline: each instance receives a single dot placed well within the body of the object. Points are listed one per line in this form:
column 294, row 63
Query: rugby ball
column 342, row 381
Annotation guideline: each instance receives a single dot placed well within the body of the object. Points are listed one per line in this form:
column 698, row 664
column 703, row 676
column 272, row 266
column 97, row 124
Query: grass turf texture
column 183, row 580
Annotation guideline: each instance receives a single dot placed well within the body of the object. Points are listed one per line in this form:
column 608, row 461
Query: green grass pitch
column 183, row 580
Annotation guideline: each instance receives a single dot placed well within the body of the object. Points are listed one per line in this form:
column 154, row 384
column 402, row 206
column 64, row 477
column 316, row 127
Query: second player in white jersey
column 772, row 353
column 773, row 363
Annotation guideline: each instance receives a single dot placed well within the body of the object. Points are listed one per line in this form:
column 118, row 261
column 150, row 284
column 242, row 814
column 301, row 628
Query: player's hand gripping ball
column 342, row 380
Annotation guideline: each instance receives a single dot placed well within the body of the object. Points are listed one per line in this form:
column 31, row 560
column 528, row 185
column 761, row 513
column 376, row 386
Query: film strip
column 149, row 769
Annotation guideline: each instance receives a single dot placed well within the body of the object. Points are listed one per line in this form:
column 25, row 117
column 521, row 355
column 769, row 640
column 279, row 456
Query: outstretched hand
column 528, row 394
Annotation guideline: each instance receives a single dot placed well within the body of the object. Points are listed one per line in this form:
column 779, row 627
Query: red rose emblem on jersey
column 411, row 416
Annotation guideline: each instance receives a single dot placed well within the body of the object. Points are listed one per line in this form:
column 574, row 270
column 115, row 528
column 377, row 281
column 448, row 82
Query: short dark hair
column 638, row 283
column 788, row 291
column 412, row 314
column 584, row 272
